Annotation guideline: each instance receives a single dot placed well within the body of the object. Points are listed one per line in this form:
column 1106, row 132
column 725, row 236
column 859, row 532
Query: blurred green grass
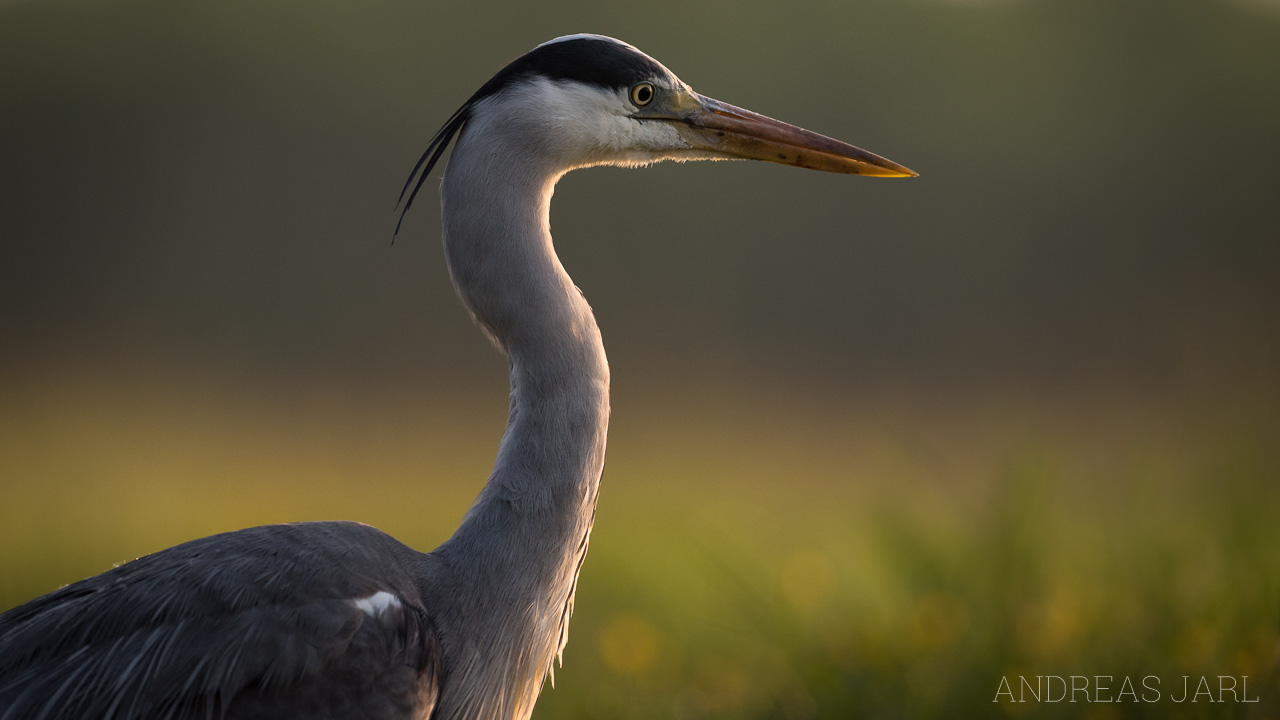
column 753, row 557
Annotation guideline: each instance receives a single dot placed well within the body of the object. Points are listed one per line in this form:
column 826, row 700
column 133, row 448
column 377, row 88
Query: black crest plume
column 435, row 149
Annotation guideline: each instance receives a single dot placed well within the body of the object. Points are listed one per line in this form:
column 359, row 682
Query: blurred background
column 876, row 445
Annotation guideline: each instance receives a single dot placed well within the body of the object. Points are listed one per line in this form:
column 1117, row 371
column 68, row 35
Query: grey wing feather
column 259, row 623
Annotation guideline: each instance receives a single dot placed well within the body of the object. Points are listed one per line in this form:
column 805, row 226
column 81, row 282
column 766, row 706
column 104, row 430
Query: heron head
column 583, row 100
column 594, row 100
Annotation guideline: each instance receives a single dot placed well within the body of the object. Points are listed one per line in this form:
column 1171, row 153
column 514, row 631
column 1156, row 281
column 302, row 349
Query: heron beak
column 728, row 131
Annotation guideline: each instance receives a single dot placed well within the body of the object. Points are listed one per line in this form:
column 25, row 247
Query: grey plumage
column 243, row 625
column 338, row 620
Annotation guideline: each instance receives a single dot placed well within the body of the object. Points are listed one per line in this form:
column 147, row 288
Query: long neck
column 517, row 553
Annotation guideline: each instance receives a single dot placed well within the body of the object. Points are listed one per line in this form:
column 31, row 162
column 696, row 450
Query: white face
column 579, row 125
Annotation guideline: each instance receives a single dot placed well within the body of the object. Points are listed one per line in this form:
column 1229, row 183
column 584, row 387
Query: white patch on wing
column 377, row 603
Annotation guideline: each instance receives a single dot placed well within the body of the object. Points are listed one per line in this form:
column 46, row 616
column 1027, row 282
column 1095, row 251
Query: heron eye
column 642, row 94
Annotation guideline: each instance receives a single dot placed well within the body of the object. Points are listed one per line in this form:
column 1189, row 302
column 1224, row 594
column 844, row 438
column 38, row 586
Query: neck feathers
column 517, row 553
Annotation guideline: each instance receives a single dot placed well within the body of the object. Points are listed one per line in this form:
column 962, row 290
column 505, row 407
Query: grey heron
column 337, row 619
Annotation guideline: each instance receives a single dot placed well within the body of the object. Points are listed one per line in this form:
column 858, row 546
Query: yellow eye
column 642, row 94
